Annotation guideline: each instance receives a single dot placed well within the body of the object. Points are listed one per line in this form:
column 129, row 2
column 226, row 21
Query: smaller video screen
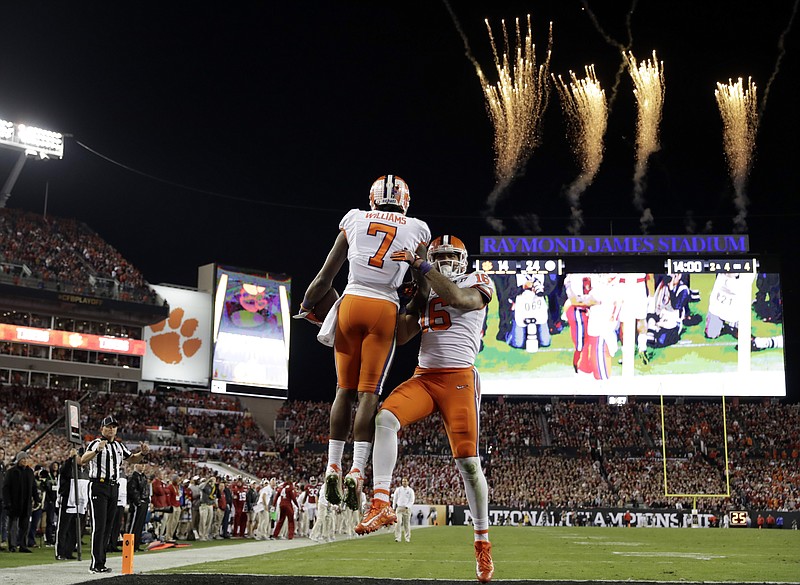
column 251, row 329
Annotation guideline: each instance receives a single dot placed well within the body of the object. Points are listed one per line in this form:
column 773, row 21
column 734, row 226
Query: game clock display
column 697, row 266
column 633, row 325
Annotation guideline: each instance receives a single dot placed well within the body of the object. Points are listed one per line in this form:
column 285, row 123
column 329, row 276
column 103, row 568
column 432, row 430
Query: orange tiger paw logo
column 173, row 345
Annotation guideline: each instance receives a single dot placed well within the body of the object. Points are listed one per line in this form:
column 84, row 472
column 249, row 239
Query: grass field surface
column 636, row 554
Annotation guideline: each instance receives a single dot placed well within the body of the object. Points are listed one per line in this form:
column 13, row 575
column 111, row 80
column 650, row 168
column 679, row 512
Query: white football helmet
column 390, row 190
column 448, row 245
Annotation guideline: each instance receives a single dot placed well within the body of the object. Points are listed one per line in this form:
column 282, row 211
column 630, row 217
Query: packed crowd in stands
column 66, row 255
column 535, row 455
column 593, row 425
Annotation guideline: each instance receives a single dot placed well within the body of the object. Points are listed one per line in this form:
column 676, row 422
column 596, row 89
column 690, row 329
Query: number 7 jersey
column 372, row 237
column 451, row 338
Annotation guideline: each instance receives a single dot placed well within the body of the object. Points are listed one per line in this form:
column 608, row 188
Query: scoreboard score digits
column 700, row 265
column 520, row 266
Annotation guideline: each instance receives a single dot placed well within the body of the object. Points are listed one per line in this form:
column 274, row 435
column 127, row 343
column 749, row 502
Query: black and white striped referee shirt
column 105, row 466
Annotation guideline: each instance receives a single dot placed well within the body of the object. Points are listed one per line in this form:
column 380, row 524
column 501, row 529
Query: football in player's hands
column 321, row 308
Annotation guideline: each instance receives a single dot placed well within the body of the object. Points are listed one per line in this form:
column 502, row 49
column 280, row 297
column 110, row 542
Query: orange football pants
column 365, row 342
column 454, row 392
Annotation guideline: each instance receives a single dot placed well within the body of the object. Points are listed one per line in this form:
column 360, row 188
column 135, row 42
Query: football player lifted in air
column 451, row 305
column 363, row 321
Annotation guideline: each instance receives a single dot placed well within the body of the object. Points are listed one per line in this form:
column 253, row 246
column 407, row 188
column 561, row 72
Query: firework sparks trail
column 781, row 53
column 495, row 223
column 463, row 35
column 737, row 106
column 584, row 103
column 515, row 105
column 614, row 43
column 648, row 82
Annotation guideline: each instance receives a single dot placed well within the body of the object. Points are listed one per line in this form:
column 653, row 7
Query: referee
column 104, row 456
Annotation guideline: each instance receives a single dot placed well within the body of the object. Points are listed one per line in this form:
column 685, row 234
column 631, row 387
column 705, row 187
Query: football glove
column 406, row 292
column 308, row 316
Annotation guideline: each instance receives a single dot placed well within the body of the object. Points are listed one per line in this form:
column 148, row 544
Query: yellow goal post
column 667, row 494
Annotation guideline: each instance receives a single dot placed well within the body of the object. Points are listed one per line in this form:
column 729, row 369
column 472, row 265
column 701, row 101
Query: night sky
column 242, row 133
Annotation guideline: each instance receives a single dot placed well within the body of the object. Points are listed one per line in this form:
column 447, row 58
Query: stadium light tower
column 28, row 141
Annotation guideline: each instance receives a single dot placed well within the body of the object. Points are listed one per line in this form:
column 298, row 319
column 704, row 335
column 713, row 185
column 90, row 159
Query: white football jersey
column 731, row 296
column 604, row 315
column 634, row 295
column 451, row 338
column 578, row 286
column 528, row 306
column 372, row 237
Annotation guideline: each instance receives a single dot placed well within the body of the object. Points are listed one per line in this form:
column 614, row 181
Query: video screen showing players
column 634, row 334
column 251, row 329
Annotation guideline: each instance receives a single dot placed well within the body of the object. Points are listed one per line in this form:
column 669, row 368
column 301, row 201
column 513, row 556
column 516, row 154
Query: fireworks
column 614, row 43
column 648, row 83
column 585, row 106
column 738, row 108
column 515, row 105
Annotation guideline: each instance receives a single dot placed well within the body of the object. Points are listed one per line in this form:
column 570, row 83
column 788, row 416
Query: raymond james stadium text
column 613, row 244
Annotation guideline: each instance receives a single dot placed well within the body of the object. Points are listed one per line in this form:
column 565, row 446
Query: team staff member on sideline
column 66, row 540
column 364, row 341
column 402, row 501
column 138, row 503
column 104, row 456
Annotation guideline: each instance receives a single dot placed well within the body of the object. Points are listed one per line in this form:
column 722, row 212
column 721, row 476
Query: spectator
column 66, row 537
column 138, row 503
column 19, row 491
column 3, row 519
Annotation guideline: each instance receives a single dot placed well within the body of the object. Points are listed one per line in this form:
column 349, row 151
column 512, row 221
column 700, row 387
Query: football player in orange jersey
column 365, row 321
column 452, row 306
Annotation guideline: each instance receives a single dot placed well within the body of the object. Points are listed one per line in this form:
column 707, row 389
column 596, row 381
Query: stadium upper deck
column 57, row 276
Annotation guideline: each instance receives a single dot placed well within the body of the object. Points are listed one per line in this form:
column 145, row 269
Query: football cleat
column 353, row 483
column 333, row 485
column 380, row 514
column 484, row 567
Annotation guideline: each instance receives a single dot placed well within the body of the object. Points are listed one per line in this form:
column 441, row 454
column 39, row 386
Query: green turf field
column 660, row 554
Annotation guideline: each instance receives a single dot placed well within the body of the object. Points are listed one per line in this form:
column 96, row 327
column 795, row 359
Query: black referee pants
column 103, row 500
